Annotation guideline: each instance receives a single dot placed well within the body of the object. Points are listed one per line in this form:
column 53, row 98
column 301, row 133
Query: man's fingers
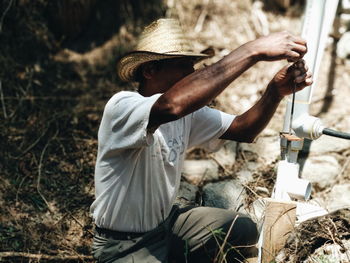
column 303, row 76
column 303, row 80
column 299, row 40
column 293, row 56
column 300, row 79
column 300, row 63
column 307, row 82
column 297, row 72
column 299, row 68
column 301, row 49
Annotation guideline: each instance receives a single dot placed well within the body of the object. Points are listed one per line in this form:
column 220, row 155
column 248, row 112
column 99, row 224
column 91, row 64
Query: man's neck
column 148, row 89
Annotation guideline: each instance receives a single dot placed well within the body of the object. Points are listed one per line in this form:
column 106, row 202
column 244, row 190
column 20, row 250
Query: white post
column 318, row 20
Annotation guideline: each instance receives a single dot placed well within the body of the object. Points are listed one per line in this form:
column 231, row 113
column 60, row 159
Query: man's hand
column 281, row 45
column 296, row 75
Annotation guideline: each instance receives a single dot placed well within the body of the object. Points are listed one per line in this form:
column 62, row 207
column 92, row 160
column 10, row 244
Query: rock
column 256, row 211
column 196, row 171
column 254, row 166
column 245, row 176
column 343, row 47
column 338, row 197
column 326, row 144
column 267, row 148
column 331, row 253
column 321, row 170
column 226, row 156
column 187, row 194
column 227, row 194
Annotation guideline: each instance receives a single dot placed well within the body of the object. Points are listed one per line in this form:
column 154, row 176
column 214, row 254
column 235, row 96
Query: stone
column 343, row 47
column 244, row 176
column 267, row 148
column 327, row 144
column 256, row 211
column 226, row 156
column 338, row 197
column 196, row 171
column 321, row 170
column 331, row 253
column 186, row 194
column 227, row 194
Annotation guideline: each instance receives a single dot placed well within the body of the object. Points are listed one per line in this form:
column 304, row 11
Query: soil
column 57, row 61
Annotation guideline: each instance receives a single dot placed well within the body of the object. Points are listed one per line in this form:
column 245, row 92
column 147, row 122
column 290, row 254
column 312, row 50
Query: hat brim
column 128, row 64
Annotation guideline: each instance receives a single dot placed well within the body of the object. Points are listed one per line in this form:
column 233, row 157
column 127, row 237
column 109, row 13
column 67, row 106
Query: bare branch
column 13, row 254
column 39, row 173
column 4, row 14
column 2, row 97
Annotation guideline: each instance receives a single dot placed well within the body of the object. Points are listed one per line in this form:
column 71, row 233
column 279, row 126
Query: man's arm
column 247, row 126
column 199, row 88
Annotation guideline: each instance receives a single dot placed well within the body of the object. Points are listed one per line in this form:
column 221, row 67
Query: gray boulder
column 321, row 170
column 227, row 194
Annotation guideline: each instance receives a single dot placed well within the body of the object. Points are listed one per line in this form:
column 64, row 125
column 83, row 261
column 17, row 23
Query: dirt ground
column 57, row 61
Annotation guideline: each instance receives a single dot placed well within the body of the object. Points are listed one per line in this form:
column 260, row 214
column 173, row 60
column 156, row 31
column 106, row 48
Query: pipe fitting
column 299, row 189
column 307, row 126
column 288, row 184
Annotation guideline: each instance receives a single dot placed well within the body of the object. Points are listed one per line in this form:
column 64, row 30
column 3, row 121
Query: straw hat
column 162, row 39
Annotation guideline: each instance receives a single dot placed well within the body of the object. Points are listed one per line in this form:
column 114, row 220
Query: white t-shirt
column 137, row 173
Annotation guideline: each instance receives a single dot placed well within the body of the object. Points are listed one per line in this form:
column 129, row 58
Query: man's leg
column 199, row 233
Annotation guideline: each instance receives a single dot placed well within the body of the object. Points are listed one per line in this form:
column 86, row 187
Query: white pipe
column 318, row 20
column 288, row 184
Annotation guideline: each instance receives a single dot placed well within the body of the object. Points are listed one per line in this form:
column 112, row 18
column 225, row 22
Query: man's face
column 173, row 70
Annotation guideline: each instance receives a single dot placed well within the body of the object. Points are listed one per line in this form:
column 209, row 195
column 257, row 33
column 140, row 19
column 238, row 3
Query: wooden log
column 279, row 221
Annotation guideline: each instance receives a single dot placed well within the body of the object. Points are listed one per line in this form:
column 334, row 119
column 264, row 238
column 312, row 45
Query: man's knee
column 242, row 230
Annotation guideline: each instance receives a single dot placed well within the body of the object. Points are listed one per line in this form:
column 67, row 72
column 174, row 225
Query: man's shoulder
column 125, row 94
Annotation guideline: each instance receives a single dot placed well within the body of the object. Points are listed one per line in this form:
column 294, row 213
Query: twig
column 31, row 98
column 2, row 101
column 19, row 187
column 24, row 94
column 39, row 173
column 80, row 224
column 200, row 21
column 258, row 17
column 33, row 144
column 13, row 254
column 221, row 251
column 226, row 171
column 251, row 190
column 344, row 166
column 4, row 14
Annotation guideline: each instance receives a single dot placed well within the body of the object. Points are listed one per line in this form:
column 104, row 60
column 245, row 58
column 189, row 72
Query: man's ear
column 148, row 70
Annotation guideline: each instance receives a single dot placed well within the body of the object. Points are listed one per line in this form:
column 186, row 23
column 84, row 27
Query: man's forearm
column 199, row 88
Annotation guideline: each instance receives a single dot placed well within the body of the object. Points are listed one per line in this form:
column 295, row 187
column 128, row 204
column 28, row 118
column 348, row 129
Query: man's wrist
column 253, row 49
column 273, row 93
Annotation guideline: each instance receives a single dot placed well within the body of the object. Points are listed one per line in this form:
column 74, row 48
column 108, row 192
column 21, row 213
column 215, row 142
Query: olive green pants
column 191, row 234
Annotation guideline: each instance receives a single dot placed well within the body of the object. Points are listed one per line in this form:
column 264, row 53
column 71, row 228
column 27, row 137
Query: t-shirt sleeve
column 125, row 119
column 207, row 125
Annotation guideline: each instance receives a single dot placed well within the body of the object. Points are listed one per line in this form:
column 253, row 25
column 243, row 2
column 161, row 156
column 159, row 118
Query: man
column 143, row 137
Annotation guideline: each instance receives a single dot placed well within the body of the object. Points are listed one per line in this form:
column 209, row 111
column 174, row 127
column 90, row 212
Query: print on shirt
column 173, row 150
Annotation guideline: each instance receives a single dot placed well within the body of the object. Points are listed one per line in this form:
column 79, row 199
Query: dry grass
column 52, row 100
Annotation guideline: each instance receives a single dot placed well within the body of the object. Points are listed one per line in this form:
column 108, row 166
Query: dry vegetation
column 57, row 61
